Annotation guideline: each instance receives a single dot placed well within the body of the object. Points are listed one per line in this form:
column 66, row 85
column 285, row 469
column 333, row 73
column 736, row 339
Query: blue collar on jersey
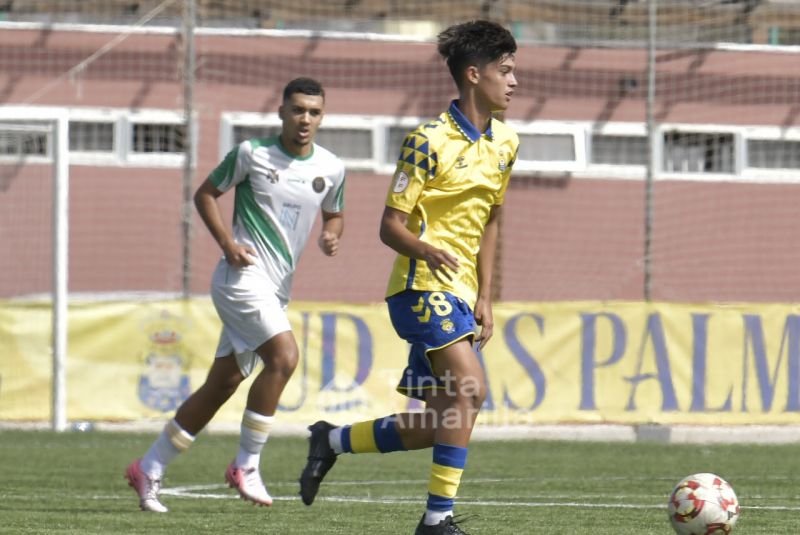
column 464, row 126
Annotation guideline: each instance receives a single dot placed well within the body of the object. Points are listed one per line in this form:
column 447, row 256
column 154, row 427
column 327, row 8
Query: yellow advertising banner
column 584, row 362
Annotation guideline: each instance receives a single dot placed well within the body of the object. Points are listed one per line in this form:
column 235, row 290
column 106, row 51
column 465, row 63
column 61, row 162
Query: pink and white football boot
column 248, row 482
column 146, row 487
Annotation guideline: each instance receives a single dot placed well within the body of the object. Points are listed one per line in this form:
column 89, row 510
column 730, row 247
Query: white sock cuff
column 178, row 436
column 256, row 422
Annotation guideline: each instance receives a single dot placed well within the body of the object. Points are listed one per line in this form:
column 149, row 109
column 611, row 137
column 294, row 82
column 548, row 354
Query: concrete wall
column 562, row 239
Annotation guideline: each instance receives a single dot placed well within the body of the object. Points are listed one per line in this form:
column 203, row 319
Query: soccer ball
column 703, row 504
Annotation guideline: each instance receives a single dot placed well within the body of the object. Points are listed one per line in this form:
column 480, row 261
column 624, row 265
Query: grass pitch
column 72, row 483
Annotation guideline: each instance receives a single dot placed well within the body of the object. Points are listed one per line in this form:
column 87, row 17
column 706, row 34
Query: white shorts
column 250, row 310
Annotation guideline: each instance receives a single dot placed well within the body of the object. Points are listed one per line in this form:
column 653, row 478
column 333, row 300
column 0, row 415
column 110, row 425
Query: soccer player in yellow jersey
column 441, row 217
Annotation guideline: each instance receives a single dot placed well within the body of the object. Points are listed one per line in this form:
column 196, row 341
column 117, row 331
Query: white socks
column 335, row 440
column 172, row 441
column 432, row 518
column 255, row 431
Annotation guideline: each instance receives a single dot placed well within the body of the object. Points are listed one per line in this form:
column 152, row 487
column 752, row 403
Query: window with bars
column 91, row 136
column 547, row 147
column 16, row 142
column 149, row 138
column 619, row 150
column 698, row 152
column 773, row 154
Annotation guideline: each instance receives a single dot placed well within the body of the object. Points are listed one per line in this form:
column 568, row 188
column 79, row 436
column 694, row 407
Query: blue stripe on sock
column 386, row 435
column 439, row 503
column 346, row 447
column 453, row 456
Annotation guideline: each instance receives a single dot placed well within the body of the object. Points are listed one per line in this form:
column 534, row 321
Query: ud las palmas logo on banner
column 164, row 383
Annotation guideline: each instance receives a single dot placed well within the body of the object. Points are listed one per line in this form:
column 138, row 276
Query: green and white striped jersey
column 278, row 197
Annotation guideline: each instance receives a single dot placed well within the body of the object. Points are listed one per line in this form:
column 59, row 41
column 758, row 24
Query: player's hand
column 329, row 243
column 441, row 263
column 238, row 255
column 484, row 318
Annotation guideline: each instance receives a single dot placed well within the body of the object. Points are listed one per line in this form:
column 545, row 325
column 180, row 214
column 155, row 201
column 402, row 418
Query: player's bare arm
column 205, row 199
column 395, row 234
column 332, row 228
column 486, row 255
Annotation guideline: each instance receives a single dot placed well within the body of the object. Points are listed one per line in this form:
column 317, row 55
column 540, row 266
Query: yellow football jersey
column 448, row 177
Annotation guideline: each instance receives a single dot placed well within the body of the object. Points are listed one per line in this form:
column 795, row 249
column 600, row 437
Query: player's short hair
column 477, row 42
column 307, row 86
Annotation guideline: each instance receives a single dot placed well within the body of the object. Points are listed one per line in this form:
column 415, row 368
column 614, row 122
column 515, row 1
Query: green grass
column 72, row 483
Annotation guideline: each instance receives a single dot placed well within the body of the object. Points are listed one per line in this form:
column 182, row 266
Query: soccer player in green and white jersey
column 281, row 184
column 441, row 218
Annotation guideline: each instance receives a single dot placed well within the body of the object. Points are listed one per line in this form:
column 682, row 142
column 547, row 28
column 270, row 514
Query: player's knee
column 228, row 386
column 476, row 399
column 223, row 380
column 285, row 362
column 473, row 391
column 218, row 390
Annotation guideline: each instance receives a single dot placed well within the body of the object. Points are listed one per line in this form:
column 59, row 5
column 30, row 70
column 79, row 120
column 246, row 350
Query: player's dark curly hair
column 477, row 42
column 307, row 86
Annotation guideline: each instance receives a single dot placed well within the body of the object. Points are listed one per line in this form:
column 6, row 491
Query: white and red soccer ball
column 703, row 504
